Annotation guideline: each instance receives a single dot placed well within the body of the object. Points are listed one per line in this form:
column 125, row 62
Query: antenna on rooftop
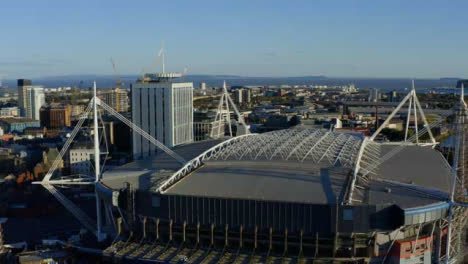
column 160, row 54
column 184, row 72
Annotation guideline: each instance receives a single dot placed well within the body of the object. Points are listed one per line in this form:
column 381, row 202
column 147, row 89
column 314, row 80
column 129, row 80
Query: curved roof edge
column 195, row 163
column 298, row 145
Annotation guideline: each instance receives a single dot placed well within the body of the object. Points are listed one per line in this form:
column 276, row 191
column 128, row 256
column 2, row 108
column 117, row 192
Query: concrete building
column 80, row 161
column 164, row 108
column 55, row 116
column 10, row 125
column 117, row 99
column 77, row 110
column 36, row 99
column 12, row 111
column 48, row 158
column 23, row 85
column 392, row 96
column 202, row 86
column 238, row 96
column 246, row 96
column 30, row 99
column 373, row 95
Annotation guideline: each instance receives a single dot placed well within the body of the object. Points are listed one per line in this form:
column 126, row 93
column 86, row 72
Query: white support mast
column 408, row 118
column 416, row 129
column 228, row 117
column 162, row 51
column 413, row 107
column 459, row 129
column 96, row 135
column 97, row 167
column 223, row 115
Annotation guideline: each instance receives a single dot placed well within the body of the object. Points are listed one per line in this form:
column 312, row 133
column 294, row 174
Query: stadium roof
column 142, row 173
column 295, row 165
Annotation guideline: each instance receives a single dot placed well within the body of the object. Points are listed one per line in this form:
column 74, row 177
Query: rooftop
column 295, row 165
column 17, row 120
column 141, row 173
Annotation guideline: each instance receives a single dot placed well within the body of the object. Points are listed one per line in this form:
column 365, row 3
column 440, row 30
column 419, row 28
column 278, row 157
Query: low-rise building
column 77, row 110
column 80, row 160
column 48, row 158
column 17, row 125
column 11, row 111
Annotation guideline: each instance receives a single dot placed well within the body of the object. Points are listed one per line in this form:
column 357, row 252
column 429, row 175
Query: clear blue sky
column 417, row 38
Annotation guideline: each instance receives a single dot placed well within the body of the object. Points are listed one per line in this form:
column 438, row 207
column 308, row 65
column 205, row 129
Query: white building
column 238, row 96
column 374, row 95
column 35, row 100
column 23, row 85
column 80, row 161
column 77, row 110
column 30, row 99
column 9, row 111
column 202, row 86
column 164, row 109
column 246, row 97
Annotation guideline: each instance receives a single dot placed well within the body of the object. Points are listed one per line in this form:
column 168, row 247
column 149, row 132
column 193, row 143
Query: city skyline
column 419, row 39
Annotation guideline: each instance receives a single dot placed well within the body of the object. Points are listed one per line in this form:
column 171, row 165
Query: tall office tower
column 162, row 107
column 374, row 95
column 202, row 86
column 392, row 96
column 23, row 85
column 246, row 95
column 238, row 96
column 117, row 99
column 464, row 82
column 35, row 100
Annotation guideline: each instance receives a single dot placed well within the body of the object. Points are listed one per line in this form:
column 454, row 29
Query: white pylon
column 97, row 166
column 223, row 115
column 413, row 108
column 459, row 140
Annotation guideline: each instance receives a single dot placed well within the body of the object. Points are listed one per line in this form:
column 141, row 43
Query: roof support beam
column 317, row 143
column 349, row 198
column 302, row 143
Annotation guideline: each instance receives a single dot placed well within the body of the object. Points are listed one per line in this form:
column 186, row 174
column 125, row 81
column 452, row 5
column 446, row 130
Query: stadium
column 294, row 195
column 288, row 196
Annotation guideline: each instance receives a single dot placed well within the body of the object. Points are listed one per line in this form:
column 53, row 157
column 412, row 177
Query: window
column 155, row 201
column 348, row 214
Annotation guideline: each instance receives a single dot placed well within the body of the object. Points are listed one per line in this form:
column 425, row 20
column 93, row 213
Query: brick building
column 55, row 116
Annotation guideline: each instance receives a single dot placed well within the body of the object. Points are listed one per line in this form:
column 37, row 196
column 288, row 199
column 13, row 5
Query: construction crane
column 116, row 75
column 117, row 97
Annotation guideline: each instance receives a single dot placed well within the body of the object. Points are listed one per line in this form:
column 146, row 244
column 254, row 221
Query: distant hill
column 451, row 79
column 108, row 81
